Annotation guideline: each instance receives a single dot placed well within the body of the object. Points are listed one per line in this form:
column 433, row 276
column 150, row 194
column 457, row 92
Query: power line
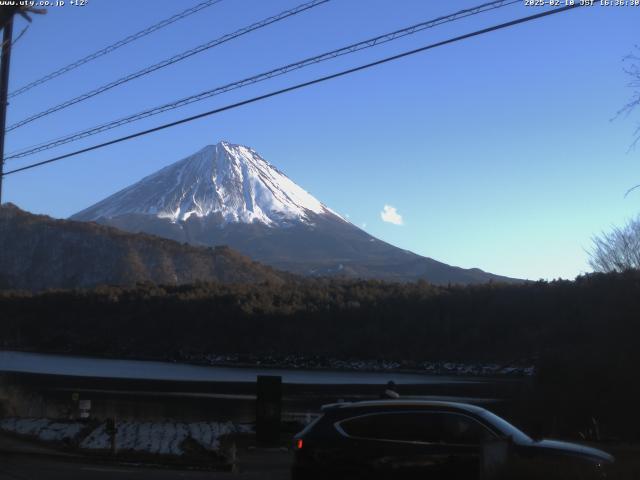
column 115, row 46
column 170, row 61
column 299, row 86
column 372, row 42
column 261, row 77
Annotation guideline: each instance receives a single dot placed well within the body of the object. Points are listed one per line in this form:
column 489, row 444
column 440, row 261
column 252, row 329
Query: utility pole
column 7, row 39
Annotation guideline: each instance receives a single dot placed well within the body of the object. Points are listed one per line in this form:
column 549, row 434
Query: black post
column 7, row 39
column 112, row 430
column 268, row 409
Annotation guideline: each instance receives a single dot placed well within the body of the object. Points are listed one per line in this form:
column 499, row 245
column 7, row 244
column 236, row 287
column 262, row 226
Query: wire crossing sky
column 298, row 86
column 369, row 43
column 115, row 46
column 497, row 152
column 170, row 61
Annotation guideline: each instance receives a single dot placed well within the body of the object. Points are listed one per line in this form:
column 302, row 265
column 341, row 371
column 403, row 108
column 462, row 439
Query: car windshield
column 506, row 428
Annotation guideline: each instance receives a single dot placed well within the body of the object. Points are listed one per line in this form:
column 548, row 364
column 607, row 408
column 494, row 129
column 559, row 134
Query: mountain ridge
column 40, row 252
column 227, row 194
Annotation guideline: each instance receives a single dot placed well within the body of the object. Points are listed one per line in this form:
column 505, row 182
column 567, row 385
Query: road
column 20, row 466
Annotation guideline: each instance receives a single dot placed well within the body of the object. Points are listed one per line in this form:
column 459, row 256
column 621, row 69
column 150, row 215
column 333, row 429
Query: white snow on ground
column 162, row 437
column 98, row 439
column 152, row 437
column 60, row 431
column 42, row 428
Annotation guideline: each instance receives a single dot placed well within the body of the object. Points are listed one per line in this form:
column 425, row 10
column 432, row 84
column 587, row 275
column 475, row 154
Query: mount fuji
column 227, row 194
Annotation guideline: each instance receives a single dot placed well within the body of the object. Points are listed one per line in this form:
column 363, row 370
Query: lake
column 48, row 364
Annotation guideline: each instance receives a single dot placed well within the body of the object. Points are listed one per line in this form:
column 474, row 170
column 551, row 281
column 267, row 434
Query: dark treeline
column 583, row 333
column 339, row 318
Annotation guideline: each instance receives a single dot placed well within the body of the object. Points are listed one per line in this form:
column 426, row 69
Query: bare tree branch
column 632, row 69
column 618, row 250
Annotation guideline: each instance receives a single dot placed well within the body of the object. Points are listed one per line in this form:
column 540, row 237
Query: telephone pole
column 7, row 39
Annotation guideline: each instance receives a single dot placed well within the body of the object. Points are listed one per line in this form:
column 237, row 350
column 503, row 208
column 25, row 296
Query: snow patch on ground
column 42, row 428
column 165, row 438
column 98, row 439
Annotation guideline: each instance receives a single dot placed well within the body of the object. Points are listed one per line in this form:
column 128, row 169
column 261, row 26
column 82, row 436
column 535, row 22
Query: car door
column 404, row 445
column 463, row 437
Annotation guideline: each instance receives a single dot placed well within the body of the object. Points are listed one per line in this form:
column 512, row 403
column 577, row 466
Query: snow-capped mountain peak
column 227, row 194
column 225, row 179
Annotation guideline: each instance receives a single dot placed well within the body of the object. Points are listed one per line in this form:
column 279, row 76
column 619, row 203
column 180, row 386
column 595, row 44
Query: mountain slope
column 39, row 252
column 227, row 194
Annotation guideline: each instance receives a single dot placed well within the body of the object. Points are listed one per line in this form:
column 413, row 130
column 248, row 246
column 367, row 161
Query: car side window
column 463, row 430
column 398, row 426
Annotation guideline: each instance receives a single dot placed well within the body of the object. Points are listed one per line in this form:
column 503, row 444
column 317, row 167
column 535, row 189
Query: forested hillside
column 39, row 252
column 582, row 334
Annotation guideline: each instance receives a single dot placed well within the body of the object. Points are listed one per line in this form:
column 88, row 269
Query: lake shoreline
column 515, row 369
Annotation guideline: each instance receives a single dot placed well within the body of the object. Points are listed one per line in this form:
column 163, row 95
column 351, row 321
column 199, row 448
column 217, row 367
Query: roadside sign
column 85, row 408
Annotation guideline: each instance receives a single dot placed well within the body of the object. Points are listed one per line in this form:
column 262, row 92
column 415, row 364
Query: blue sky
column 497, row 152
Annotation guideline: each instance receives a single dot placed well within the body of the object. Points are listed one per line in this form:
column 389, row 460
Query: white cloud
column 389, row 214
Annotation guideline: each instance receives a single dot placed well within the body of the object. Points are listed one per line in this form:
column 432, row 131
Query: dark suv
column 432, row 440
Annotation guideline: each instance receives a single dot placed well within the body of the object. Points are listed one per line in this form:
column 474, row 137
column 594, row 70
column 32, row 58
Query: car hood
column 567, row 448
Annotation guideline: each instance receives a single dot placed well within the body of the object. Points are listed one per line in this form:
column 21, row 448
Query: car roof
column 375, row 405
